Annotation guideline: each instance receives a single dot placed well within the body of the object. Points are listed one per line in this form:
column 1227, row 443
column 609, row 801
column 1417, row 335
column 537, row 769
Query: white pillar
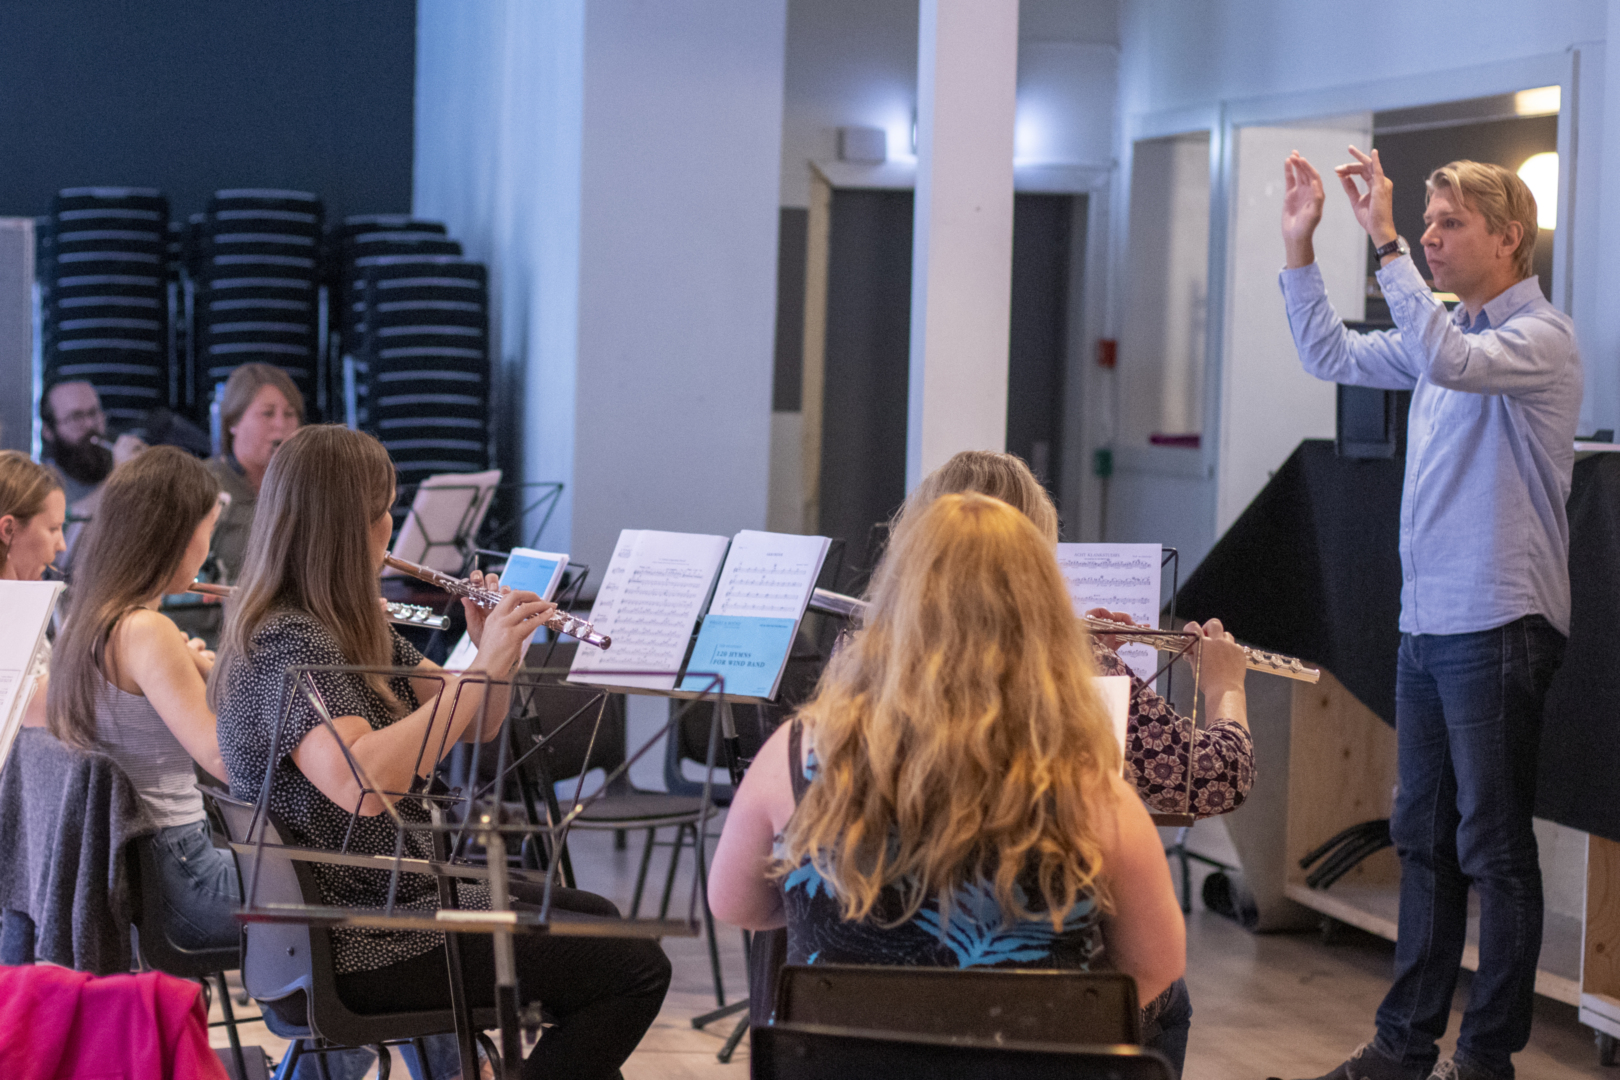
column 961, row 256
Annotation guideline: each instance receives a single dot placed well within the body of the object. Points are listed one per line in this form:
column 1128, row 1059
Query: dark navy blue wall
column 194, row 95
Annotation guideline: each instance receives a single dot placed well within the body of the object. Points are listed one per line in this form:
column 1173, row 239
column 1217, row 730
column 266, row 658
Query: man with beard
column 75, row 432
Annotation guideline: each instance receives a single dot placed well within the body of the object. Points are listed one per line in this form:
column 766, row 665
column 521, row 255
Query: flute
column 853, row 608
column 1175, row 641
column 560, row 621
column 401, row 614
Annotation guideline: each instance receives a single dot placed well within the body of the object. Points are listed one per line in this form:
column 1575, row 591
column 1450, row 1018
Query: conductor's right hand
column 1303, row 197
column 507, row 629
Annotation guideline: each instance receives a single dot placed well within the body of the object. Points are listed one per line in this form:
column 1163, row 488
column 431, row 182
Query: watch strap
column 1393, row 247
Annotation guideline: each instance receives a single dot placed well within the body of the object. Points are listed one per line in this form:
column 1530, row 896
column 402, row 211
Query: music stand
column 443, row 518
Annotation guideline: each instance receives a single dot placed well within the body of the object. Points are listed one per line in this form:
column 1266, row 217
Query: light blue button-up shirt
column 1490, row 441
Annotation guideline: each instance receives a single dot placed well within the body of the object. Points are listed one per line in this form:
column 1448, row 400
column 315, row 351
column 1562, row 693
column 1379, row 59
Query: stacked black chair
column 104, row 296
column 423, row 368
column 256, row 274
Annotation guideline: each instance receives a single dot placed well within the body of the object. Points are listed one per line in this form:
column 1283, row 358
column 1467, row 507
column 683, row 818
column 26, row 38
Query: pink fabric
column 57, row 1024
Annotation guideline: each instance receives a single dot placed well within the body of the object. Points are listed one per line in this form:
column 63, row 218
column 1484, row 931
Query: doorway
column 867, row 352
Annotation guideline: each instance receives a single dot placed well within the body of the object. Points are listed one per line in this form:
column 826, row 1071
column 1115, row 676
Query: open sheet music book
column 659, row 583
column 1119, row 577
column 28, row 606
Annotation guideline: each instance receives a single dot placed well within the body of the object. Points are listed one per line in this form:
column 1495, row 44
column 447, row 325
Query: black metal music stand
column 481, row 814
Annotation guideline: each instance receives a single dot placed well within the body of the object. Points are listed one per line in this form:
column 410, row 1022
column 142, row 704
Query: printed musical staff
column 649, row 602
column 1119, row 577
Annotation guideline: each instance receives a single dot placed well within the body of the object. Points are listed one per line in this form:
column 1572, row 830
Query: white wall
column 618, row 166
column 682, row 137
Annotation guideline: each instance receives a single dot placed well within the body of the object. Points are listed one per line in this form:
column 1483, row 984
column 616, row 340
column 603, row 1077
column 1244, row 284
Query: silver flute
column 402, row 614
column 853, row 608
column 560, row 621
column 1177, row 640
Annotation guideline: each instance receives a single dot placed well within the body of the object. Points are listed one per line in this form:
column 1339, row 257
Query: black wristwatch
column 1395, row 246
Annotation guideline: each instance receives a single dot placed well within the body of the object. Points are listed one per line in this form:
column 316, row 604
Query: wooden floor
column 1264, row 1005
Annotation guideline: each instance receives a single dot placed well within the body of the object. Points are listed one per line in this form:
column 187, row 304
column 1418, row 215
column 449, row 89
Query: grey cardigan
column 66, row 819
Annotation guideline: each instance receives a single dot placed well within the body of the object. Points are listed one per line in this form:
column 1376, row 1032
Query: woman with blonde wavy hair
column 951, row 796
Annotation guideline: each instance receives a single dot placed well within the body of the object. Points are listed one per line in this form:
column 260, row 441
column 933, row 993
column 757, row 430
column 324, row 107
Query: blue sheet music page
column 747, row 650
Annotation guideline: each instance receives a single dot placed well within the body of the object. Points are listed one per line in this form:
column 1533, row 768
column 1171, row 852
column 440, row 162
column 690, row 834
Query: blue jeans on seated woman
column 1167, row 1031
column 200, row 894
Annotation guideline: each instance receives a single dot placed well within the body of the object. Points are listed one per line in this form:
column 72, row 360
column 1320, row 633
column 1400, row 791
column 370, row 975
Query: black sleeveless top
column 974, row 932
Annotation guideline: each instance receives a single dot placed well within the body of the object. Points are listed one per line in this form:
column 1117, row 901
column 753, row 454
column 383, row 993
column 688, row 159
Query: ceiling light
column 1541, row 101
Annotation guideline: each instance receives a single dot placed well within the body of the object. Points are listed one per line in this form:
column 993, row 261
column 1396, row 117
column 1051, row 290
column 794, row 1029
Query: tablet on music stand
column 537, row 571
column 443, row 518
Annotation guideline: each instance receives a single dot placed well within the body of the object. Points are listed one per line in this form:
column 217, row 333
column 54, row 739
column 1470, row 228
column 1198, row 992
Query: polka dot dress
column 252, row 707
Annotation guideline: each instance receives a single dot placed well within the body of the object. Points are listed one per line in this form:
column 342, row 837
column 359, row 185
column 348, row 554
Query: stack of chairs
column 104, row 297
column 345, row 283
column 256, row 288
column 425, row 357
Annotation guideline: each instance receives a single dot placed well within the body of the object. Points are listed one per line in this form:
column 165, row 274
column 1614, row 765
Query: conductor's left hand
column 1375, row 207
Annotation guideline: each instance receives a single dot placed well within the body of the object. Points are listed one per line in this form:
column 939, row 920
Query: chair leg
column 674, row 863
column 230, row 1027
column 619, row 838
column 733, row 1039
column 385, row 1062
column 289, row 1063
column 320, row 1067
column 422, row 1059
column 641, row 875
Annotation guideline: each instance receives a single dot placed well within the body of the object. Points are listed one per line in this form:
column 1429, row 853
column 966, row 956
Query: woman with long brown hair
column 308, row 594
column 126, row 681
column 966, row 806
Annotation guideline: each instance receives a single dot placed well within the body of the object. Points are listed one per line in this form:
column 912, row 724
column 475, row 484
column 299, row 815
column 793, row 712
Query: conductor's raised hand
column 1373, row 199
column 1302, row 209
column 1222, row 664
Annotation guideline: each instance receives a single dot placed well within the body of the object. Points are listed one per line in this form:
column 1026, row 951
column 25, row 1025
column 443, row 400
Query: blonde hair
column 988, row 472
column 309, row 550
column 149, row 509
column 959, row 735
column 1499, row 196
column 24, row 486
column 241, row 388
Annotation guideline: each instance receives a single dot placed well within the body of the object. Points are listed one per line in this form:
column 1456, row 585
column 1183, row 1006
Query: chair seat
column 640, row 808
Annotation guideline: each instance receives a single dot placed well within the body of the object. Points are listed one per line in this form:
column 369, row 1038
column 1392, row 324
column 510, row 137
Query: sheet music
column 654, row 590
column 1119, row 577
column 28, row 606
column 769, row 575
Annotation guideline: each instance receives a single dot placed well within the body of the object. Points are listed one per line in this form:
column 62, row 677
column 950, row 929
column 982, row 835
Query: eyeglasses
column 81, row 416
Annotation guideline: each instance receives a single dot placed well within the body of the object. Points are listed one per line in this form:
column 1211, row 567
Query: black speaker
column 1371, row 423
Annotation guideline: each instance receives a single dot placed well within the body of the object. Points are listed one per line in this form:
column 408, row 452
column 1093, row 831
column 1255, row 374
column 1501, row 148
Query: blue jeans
column 1468, row 727
column 1167, row 1032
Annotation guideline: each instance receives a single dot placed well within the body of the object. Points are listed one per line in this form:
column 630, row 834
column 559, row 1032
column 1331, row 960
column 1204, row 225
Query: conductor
column 1484, row 545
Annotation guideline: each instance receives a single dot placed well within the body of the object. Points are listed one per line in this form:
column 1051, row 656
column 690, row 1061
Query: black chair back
column 993, row 1004
column 812, row 1052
